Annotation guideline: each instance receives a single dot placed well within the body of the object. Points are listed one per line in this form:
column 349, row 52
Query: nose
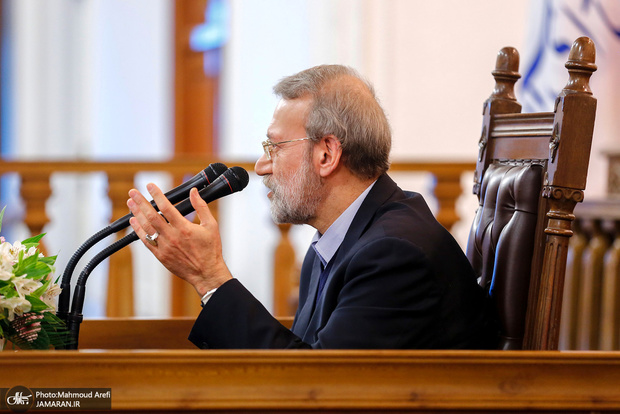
column 263, row 166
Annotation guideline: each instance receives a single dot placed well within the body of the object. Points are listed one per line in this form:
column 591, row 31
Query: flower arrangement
column 28, row 296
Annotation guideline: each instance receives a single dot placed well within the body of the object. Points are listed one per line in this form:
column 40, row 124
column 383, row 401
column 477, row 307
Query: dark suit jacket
column 398, row 281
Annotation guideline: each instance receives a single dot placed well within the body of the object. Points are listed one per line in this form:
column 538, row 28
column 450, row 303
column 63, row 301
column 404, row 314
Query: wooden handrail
column 35, row 191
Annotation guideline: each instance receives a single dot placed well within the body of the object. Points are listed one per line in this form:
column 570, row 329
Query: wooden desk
column 177, row 380
column 422, row 381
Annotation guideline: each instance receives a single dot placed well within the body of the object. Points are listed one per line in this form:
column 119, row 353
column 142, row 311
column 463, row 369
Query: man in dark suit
column 381, row 271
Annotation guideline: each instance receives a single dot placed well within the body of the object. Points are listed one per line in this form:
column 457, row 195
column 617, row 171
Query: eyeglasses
column 268, row 145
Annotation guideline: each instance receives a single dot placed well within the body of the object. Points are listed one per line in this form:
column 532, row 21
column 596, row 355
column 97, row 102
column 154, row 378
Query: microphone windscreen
column 214, row 170
column 242, row 178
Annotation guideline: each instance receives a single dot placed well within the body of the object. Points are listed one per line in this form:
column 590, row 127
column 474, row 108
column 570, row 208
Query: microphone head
column 234, row 179
column 214, row 170
column 238, row 178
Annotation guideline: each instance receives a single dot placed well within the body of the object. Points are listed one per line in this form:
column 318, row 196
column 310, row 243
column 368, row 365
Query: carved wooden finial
column 506, row 73
column 580, row 66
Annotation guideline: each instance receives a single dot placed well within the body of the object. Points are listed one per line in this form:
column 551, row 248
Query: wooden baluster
column 588, row 319
column 120, row 298
column 184, row 299
column 610, row 302
column 35, row 190
column 447, row 189
column 285, row 277
column 570, row 305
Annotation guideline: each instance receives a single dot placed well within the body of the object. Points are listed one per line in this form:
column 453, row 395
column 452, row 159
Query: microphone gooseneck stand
column 203, row 179
column 232, row 180
column 75, row 317
column 65, row 285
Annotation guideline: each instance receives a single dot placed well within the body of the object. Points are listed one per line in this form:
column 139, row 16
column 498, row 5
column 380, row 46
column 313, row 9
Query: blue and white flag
column 554, row 25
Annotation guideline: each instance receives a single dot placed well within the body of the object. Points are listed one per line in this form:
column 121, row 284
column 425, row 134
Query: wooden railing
column 35, row 191
column 591, row 309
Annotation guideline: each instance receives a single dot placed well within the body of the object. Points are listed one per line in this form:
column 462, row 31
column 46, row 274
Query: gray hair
column 345, row 105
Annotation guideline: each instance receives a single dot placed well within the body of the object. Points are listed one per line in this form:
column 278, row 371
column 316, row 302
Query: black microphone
column 232, row 180
column 202, row 179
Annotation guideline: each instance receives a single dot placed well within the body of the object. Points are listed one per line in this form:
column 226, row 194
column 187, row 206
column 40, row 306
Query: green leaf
column 2, row 216
column 33, row 241
column 20, row 266
column 50, row 260
column 8, row 291
column 37, row 304
column 37, row 293
column 32, row 266
column 38, row 271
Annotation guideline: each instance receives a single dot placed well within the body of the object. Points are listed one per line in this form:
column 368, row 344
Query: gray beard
column 295, row 198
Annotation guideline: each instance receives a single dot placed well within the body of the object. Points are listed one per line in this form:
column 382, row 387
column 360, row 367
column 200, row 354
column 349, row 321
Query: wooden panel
column 127, row 333
column 140, row 333
column 534, row 148
column 523, row 125
column 378, row 381
column 521, row 136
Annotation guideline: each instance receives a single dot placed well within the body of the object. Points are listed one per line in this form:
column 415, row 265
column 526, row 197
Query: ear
column 329, row 155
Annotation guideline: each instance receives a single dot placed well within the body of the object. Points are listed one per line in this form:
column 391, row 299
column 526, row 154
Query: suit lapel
column 308, row 319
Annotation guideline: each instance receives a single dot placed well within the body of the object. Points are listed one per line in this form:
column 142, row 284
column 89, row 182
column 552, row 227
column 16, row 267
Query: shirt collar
column 327, row 244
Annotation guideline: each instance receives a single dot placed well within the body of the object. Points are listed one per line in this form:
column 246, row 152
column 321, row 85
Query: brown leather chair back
column 531, row 171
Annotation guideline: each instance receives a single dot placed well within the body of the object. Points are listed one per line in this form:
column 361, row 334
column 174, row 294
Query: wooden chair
column 531, row 172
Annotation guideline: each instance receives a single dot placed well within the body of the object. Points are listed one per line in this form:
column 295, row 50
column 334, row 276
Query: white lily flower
column 5, row 274
column 25, row 286
column 49, row 297
column 15, row 306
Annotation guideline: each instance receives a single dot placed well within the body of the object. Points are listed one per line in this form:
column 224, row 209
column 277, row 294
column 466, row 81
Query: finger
column 200, row 206
column 170, row 213
column 137, row 228
column 147, row 217
column 141, row 233
column 155, row 218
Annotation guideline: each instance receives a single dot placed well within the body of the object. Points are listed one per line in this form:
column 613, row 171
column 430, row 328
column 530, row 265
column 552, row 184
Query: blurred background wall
column 94, row 79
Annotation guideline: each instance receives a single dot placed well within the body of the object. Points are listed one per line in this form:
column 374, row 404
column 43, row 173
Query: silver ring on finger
column 152, row 239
